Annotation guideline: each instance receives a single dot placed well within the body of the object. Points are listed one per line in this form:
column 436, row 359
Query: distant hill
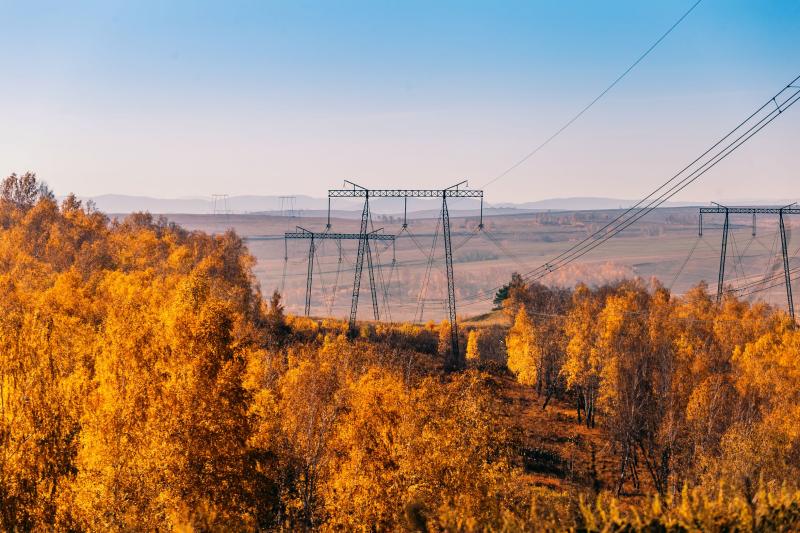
column 118, row 203
column 303, row 204
column 585, row 203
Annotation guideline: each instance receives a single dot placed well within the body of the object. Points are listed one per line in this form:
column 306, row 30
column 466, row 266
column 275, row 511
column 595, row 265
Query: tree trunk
column 623, row 469
column 547, row 398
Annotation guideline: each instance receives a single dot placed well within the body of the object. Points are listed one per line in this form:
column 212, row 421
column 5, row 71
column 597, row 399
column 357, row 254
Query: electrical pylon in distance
column 303, row 233
column 730, row 210
column 455, row 360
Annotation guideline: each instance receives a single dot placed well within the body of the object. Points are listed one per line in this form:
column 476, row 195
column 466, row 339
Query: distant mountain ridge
column 581, row 203
column 121, row 204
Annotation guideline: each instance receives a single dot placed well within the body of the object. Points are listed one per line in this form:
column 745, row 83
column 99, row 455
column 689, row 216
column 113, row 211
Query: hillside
column 148, row 384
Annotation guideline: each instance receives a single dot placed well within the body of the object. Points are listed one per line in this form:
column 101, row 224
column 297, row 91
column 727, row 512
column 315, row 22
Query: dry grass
column 656, row 247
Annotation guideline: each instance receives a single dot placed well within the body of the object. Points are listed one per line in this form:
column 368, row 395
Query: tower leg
column 371, row 271
column 359, row 267
column 285, row 264
column 723, row 253
column 309, row 276
column 328, row 225
column 786, row 273
column 454, row 362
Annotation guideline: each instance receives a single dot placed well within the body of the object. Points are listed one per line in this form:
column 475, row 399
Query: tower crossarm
column 751, row 210
column 336, row 236
column 405, row 193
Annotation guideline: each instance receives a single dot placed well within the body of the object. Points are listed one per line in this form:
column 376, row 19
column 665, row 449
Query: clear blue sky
column 176, row 99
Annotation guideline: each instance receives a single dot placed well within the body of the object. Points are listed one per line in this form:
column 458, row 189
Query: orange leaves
column 523, row 350
column 122, row 363
column 473, row 351
column 444, row 344
column 366, row 485
column 582, row 365
column 433, row 446
column 144, row 384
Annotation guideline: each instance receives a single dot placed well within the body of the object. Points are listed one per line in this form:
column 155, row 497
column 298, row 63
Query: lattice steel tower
column 727, row 211
column 313, row 237
column 455, row 360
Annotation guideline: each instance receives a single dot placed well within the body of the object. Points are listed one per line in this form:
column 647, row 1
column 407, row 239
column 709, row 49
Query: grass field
column 657, row 247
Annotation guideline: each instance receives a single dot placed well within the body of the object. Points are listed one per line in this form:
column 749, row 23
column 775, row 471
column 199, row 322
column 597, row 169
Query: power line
column 685, row 262
column 620, row 222
column 743, row 288
column 588, row 106
column 743, row 132
column 773, row 278
column 427, row 276
column 763, row 281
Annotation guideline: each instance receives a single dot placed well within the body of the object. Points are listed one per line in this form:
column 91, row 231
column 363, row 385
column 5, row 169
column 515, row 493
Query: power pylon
column 288, row 206
column 357, row 191
column 727, row 211
column 303, row 233
column 219, row 205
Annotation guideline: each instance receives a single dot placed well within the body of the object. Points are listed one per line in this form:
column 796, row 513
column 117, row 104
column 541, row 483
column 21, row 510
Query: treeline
column 146, row 384
column 688, row 391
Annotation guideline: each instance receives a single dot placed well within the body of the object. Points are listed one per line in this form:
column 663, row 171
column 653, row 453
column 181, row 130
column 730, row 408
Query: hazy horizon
column 263, row 204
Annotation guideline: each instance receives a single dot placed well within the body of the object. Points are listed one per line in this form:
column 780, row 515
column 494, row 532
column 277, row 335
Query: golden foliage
column 473, row 351
column 769, row 509
column 145, row 384
column 523, row 351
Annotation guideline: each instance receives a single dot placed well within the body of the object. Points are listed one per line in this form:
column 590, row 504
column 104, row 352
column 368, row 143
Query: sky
column 188, row 99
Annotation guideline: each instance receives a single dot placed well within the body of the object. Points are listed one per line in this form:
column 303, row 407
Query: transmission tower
column 219, row 204
column 357, row 191
column 727, row 211
column 303, row 233
column 288, row 206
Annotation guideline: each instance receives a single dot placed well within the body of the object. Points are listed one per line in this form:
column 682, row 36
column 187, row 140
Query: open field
column 657, row 247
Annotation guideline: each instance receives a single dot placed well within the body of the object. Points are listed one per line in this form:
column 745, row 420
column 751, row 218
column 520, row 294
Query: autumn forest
column 146, row 383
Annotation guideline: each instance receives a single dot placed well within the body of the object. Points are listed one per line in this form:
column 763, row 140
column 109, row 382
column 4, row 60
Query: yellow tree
column 457, row 428
column 623, row 389
column 200, row 423
column 444, row 345
column 636, row 388
column 705, row 382
column 473, row 351
column 402, row 455
column 763, row 442
column 164, row 430
column 523, row 351
column 368, row 485
column 46, row 341
column 310, row 406
column 42, row 385
column 583, row 363
column 116, row 486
